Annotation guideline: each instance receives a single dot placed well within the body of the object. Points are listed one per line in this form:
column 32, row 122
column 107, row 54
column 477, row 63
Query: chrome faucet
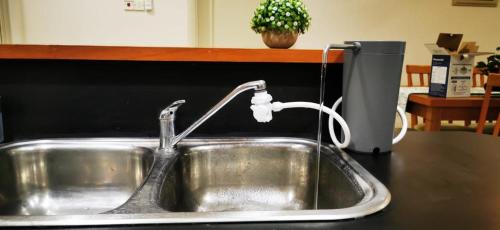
column 168, row 139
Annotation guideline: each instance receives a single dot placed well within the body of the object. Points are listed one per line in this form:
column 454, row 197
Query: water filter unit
column 371, row 80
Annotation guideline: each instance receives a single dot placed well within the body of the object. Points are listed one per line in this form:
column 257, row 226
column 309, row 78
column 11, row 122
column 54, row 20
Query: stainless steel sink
column 45, row 183
column 63, row 177
column 257, row 176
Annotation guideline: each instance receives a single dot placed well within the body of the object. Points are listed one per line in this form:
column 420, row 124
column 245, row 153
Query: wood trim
column 122, row 53
column 488, row 3
column 472, row 101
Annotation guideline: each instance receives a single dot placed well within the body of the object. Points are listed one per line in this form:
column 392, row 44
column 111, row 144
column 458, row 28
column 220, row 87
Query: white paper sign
column 439, row 74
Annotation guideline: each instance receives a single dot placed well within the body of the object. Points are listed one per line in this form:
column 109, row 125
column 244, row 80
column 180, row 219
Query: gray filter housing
column 370, row 90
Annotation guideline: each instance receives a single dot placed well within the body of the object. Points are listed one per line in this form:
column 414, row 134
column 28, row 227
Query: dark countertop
column 441, row 180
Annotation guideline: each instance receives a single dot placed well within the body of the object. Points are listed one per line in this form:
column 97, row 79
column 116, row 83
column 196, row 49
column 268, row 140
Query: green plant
column 492, row 65
column 282, row 16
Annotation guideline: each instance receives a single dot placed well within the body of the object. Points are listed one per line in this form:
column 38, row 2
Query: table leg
column 496, row 130
column 433, row 119
column 414, row 121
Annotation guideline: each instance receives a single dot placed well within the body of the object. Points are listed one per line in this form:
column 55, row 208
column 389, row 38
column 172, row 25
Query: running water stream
column 324, row 63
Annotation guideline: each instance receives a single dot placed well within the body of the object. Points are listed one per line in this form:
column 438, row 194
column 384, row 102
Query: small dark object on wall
column 482, row 3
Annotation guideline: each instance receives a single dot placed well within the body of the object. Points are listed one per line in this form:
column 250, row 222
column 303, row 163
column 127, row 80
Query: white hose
column 278, row 106
column 401, row 114
column 262, row 111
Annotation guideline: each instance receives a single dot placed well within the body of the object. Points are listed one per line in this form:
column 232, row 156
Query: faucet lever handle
column 176, row 104
column 170, row 110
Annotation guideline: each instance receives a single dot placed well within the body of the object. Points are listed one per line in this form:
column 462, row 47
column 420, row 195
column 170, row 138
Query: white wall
column 103, row 22
column 414, row 21
column 226, row 23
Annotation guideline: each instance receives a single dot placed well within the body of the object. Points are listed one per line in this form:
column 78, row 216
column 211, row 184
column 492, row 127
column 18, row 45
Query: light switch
column 134, row 5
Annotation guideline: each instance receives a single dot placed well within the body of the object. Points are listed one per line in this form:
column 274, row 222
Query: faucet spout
column 168, row 139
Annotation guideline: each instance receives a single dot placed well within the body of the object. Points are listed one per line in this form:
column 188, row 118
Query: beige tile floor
column 398, row 123
column 455, row 126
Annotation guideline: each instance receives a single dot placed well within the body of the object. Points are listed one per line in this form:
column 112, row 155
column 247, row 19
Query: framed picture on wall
column 488, row 3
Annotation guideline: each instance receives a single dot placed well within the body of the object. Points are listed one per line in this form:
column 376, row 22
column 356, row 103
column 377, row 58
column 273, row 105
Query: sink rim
column 375, row 200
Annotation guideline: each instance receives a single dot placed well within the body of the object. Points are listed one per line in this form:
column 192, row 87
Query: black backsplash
column 61, row 98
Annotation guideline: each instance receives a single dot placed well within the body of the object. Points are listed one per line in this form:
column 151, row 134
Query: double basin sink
column 114, row 181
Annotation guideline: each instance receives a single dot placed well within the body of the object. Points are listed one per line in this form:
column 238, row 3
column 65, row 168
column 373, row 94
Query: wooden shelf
column 122, row 53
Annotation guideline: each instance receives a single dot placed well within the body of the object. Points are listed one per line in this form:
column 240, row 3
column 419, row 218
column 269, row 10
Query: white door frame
column 205, row 23
column 5, row 37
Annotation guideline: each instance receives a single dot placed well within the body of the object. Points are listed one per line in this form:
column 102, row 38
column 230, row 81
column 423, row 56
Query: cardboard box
column 452, row 66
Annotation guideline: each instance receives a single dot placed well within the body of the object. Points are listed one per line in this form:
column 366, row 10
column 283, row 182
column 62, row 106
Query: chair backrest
column 475, row 73
column 421, row 70
column 493, row 81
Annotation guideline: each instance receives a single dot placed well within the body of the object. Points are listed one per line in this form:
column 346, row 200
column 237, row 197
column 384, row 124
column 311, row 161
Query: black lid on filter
column 380, row 47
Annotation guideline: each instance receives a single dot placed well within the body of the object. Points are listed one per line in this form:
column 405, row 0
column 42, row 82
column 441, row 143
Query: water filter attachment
column 262, row 112
column 261, row 106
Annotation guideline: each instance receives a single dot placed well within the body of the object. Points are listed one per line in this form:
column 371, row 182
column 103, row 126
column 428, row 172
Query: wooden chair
column 421, row 70
column 475, row 74
column 493, row 81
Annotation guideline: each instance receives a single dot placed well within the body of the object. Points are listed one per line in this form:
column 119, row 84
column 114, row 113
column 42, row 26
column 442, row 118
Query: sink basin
column 254, row 176
column 63, row 177
column 122, row 181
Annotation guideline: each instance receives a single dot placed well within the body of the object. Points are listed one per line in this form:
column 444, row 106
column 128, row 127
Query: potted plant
column 280, row 22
